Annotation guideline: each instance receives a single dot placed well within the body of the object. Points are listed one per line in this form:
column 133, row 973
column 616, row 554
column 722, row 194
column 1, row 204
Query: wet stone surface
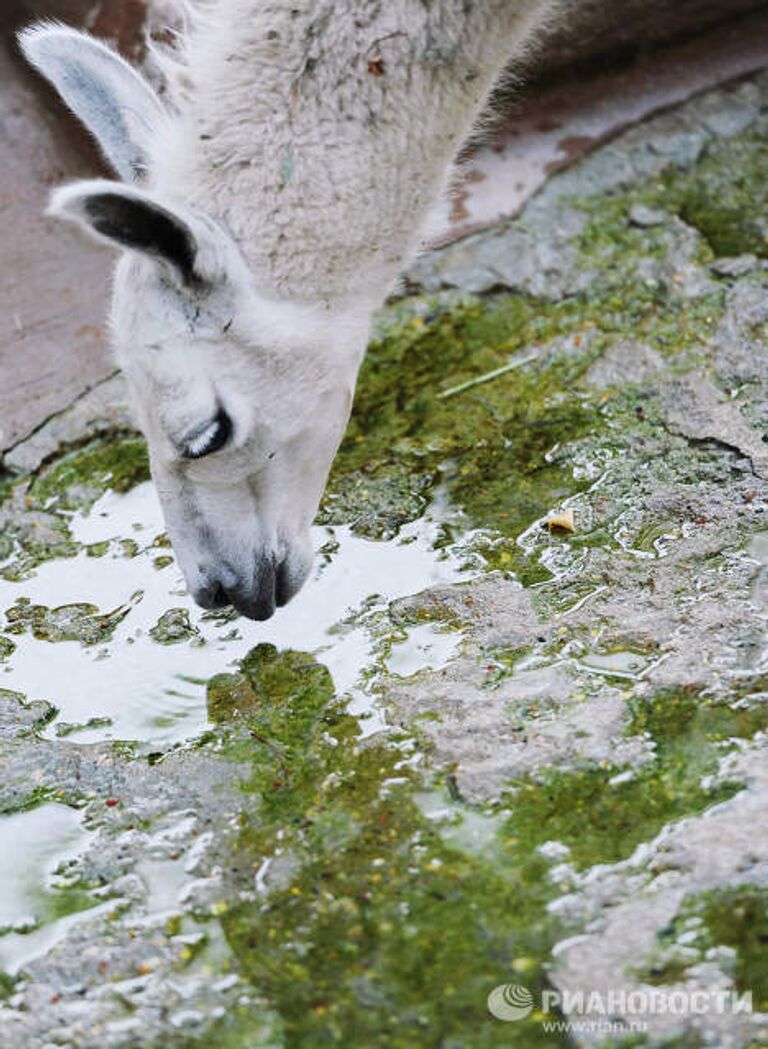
column 475, row 750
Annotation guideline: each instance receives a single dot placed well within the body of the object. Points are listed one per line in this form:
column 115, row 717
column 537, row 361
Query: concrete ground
column 479, row 752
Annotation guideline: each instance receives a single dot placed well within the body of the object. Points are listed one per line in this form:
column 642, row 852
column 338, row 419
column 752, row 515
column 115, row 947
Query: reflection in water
column 154, row 692
column 425, row 646
column 36, row 907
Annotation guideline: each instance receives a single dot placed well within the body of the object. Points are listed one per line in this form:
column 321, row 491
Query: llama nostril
column 256, row 599
column 220, row 596
column 212, row 596
column 283, row 592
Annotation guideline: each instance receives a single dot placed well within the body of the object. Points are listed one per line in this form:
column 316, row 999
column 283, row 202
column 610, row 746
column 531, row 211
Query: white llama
column 268, row 205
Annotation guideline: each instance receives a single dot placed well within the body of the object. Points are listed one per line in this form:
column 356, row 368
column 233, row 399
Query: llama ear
column 117, row 106
column 127, row 217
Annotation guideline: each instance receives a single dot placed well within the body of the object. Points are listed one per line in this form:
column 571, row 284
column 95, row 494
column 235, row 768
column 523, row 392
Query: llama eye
column 213, row 436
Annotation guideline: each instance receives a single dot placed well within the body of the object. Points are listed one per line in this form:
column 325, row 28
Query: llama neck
column 322, row 132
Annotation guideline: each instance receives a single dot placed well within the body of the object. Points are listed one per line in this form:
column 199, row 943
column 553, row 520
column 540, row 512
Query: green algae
column 381, row 930
column 173, row 627
column 730, row 922
column 501, row 661
column 380, row 907
column 378, row 499
column 489, row 445
column 65, row 728
column 737, row 916
column 97, row 549
column 61, row 898
column 77, row 622
column 602, row 816
column 37, row 507
column 35, row 538
column 247, row 1026
column 43, row 712
column 77, row 479
column 363, row 857
column 7, row 985
column 686, row 718
column 726, row 198
column 33, row 797
column 492, row 445
column 601, row 821
column 652, row 310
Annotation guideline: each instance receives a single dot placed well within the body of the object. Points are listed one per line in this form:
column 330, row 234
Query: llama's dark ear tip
column 148, row 227
column 131, row 219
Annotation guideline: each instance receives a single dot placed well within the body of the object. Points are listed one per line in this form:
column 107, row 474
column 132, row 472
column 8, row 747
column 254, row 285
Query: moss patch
column 603, row 822
column 77, row 622
column 381, row 931
column 726, row 199
column 174, row 626
column 75, row 481
column 735, row 918
column 489, row 444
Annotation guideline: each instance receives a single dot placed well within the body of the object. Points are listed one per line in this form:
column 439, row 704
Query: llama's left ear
column 127, row 217
column 118, row 106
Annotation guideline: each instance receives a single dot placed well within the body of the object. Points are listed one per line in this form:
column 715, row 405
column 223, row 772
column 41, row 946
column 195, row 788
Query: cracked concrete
column 580, row 681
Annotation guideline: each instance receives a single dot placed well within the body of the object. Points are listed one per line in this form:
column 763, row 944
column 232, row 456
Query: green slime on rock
column 733, row 916
column 380, row 933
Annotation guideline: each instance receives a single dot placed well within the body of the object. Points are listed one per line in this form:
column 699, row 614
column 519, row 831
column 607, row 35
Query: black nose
column 256, row 599
column 258, row 603
column 212, row 596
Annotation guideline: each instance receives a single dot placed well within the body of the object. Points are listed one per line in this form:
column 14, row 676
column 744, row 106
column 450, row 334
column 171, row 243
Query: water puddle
column 425, row 647
column 36, row 905
column 758, row 551
column 627, row 665
column 469, row 830
column 165, row 881
column 134, row 687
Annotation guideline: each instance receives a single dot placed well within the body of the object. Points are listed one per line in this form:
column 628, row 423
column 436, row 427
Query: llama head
column 243, row 398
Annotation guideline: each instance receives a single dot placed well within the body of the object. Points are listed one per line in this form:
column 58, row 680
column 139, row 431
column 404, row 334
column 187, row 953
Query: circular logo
column 510, row 1001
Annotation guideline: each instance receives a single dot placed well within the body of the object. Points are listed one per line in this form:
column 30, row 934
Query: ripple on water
column 155, row 693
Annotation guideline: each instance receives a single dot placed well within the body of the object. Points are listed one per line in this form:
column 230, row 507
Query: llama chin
column 267, row 204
